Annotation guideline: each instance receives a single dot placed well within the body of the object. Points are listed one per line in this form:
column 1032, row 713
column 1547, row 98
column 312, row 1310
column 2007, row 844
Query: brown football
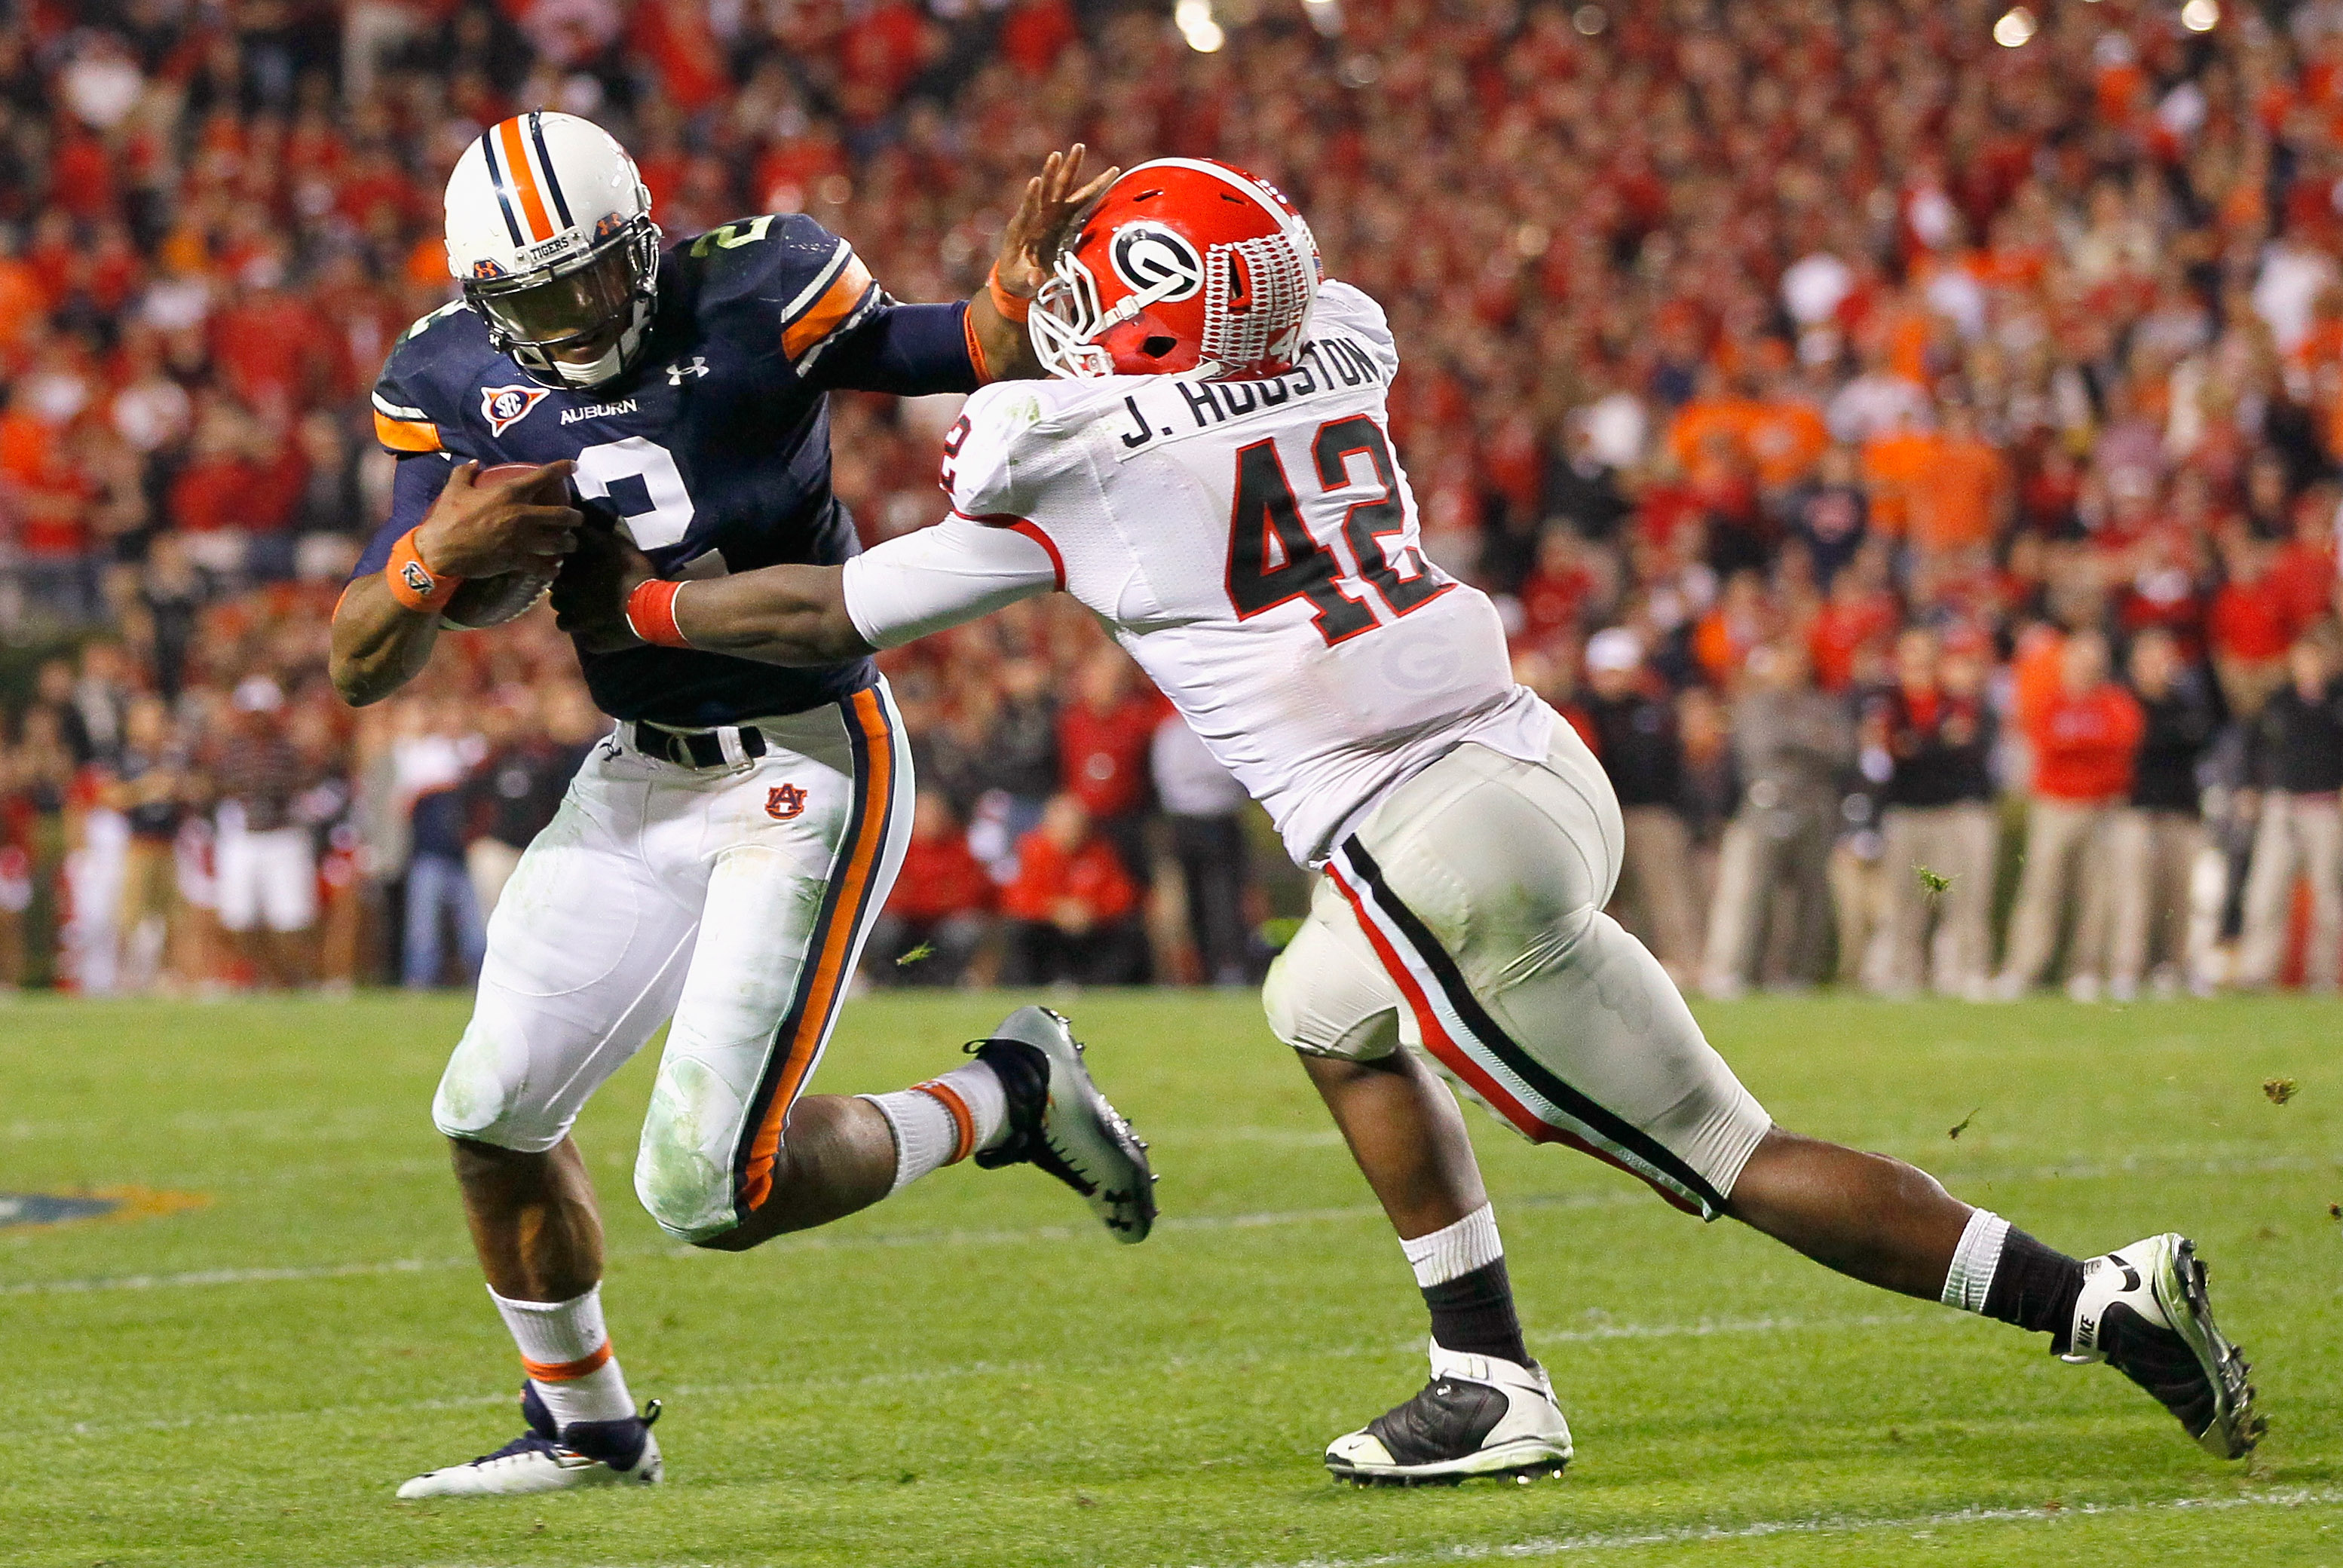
column 483, row 602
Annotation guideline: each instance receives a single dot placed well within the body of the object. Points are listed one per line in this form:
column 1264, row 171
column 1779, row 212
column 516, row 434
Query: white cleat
column 1478, row 1416
column 2145, row 1311
column 542, row 1459
column 1060, row 1122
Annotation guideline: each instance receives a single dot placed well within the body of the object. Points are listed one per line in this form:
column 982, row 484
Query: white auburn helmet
column 549, row 231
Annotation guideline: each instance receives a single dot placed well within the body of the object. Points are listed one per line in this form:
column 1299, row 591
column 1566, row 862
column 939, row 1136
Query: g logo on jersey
column 783, row 801
column 505, row 407
column 1149, row 258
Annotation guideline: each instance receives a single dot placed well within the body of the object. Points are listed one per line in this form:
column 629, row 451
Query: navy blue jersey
column 713, row 453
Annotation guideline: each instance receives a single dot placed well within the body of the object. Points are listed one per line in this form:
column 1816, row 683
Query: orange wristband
column 650, row 613
column 413, row 583
column 1010, row 305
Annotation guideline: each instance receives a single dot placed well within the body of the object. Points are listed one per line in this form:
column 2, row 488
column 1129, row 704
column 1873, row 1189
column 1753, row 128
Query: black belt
column 696, row 748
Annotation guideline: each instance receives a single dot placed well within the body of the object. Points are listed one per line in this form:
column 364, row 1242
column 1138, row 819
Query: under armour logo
column 679, row 370
column 783, row 801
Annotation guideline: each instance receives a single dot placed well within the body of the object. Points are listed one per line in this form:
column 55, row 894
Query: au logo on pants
column 784, row 801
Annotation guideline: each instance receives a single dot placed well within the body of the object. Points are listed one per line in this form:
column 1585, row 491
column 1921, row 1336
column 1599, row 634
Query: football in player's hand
column 483, row 602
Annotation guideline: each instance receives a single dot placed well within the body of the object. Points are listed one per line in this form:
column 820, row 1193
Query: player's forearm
column 379, row 645
column 1008, row 348
column 793, row 614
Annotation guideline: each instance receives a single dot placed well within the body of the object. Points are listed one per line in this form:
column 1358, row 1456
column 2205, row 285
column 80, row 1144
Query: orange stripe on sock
column 523, row 180
column 962, row 1117
column 566, row 1372
column 834, row 943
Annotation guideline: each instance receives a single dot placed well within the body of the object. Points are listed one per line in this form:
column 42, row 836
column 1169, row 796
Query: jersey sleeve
column 405, row 422
column 937, row 578
column 1353, row 311
column 419, row 479
column 987, row 451
column 838, row 327
column 842, row 330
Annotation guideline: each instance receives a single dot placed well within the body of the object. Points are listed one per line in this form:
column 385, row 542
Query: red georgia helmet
column 1185, row 264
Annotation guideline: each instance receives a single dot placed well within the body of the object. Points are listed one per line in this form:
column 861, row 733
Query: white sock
column 565, row 1351
column 943, row 1120
column 1455, row 1251
column 1975, row 1260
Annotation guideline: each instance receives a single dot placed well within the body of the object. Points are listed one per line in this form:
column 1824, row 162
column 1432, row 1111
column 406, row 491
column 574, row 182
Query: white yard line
column 1827, row 1525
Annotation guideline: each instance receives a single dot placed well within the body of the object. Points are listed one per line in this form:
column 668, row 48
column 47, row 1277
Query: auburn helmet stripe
column 544, row 166
column 523, row 180
column 503, row 187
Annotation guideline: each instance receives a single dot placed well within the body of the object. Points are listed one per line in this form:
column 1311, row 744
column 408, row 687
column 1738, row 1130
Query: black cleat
column 2145, row 1311
column 1478, row 1416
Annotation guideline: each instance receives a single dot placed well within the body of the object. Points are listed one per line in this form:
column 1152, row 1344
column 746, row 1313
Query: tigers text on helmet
column 549, row 230
column 1185, row 264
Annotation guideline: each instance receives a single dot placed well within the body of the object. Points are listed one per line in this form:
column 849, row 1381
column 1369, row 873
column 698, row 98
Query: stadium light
column 1325, row 17
column 2015, row 29
column 2201, row 15
column 1194, row 20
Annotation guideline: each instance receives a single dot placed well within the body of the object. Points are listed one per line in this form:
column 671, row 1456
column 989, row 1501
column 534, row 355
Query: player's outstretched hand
column 485, row 528
column 589, row 593
column 1052, row 208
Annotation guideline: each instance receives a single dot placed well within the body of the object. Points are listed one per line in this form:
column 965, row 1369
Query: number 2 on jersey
column 1273, row 557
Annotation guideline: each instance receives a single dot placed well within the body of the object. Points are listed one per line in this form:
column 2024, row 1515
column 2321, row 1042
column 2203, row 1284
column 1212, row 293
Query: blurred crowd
column 1905, row 442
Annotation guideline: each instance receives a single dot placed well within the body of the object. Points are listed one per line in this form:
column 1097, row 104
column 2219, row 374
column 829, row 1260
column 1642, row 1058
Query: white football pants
column 734, row 899
column 1464, row 919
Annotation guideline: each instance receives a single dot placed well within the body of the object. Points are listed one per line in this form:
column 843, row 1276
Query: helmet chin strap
column 604, row 367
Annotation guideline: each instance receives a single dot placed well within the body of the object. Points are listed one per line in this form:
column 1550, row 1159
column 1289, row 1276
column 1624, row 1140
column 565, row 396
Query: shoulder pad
column 770, row 259
column 413, row 407
column 1352, row 310
column 982, row 454
column 789, row 274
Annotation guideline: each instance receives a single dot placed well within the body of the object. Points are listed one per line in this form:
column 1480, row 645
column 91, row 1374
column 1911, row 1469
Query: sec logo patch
column 505, row 407
column 783, row 801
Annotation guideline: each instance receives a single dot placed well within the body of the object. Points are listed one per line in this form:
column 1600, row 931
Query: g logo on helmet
column 1154, row 260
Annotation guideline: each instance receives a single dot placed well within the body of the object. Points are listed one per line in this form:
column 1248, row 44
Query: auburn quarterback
column 719, row 859
column 1211, row 473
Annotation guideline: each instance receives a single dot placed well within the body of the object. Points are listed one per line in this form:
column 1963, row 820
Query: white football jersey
column 1254, row 545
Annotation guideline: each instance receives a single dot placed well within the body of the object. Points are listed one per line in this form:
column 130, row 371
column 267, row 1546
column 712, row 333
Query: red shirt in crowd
column 1841, row 630
column 940, row 877
column 2304, row 575
column 1102, row 757
column 2082, row 746
column 1047, row 877
column 2252, row 620
column 1551, row 601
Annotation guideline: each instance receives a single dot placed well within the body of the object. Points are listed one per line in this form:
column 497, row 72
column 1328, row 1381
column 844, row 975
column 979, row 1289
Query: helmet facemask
column 1066, row 321
column 534, row 315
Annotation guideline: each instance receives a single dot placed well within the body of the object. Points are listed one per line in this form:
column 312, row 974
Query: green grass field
column 973, row 1373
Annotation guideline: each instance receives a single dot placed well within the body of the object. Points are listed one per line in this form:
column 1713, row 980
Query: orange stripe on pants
column 834, row 945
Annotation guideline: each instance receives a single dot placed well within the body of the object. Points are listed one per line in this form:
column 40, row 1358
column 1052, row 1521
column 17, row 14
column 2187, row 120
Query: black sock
column 1473, row 1314
column 2034, row 1288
